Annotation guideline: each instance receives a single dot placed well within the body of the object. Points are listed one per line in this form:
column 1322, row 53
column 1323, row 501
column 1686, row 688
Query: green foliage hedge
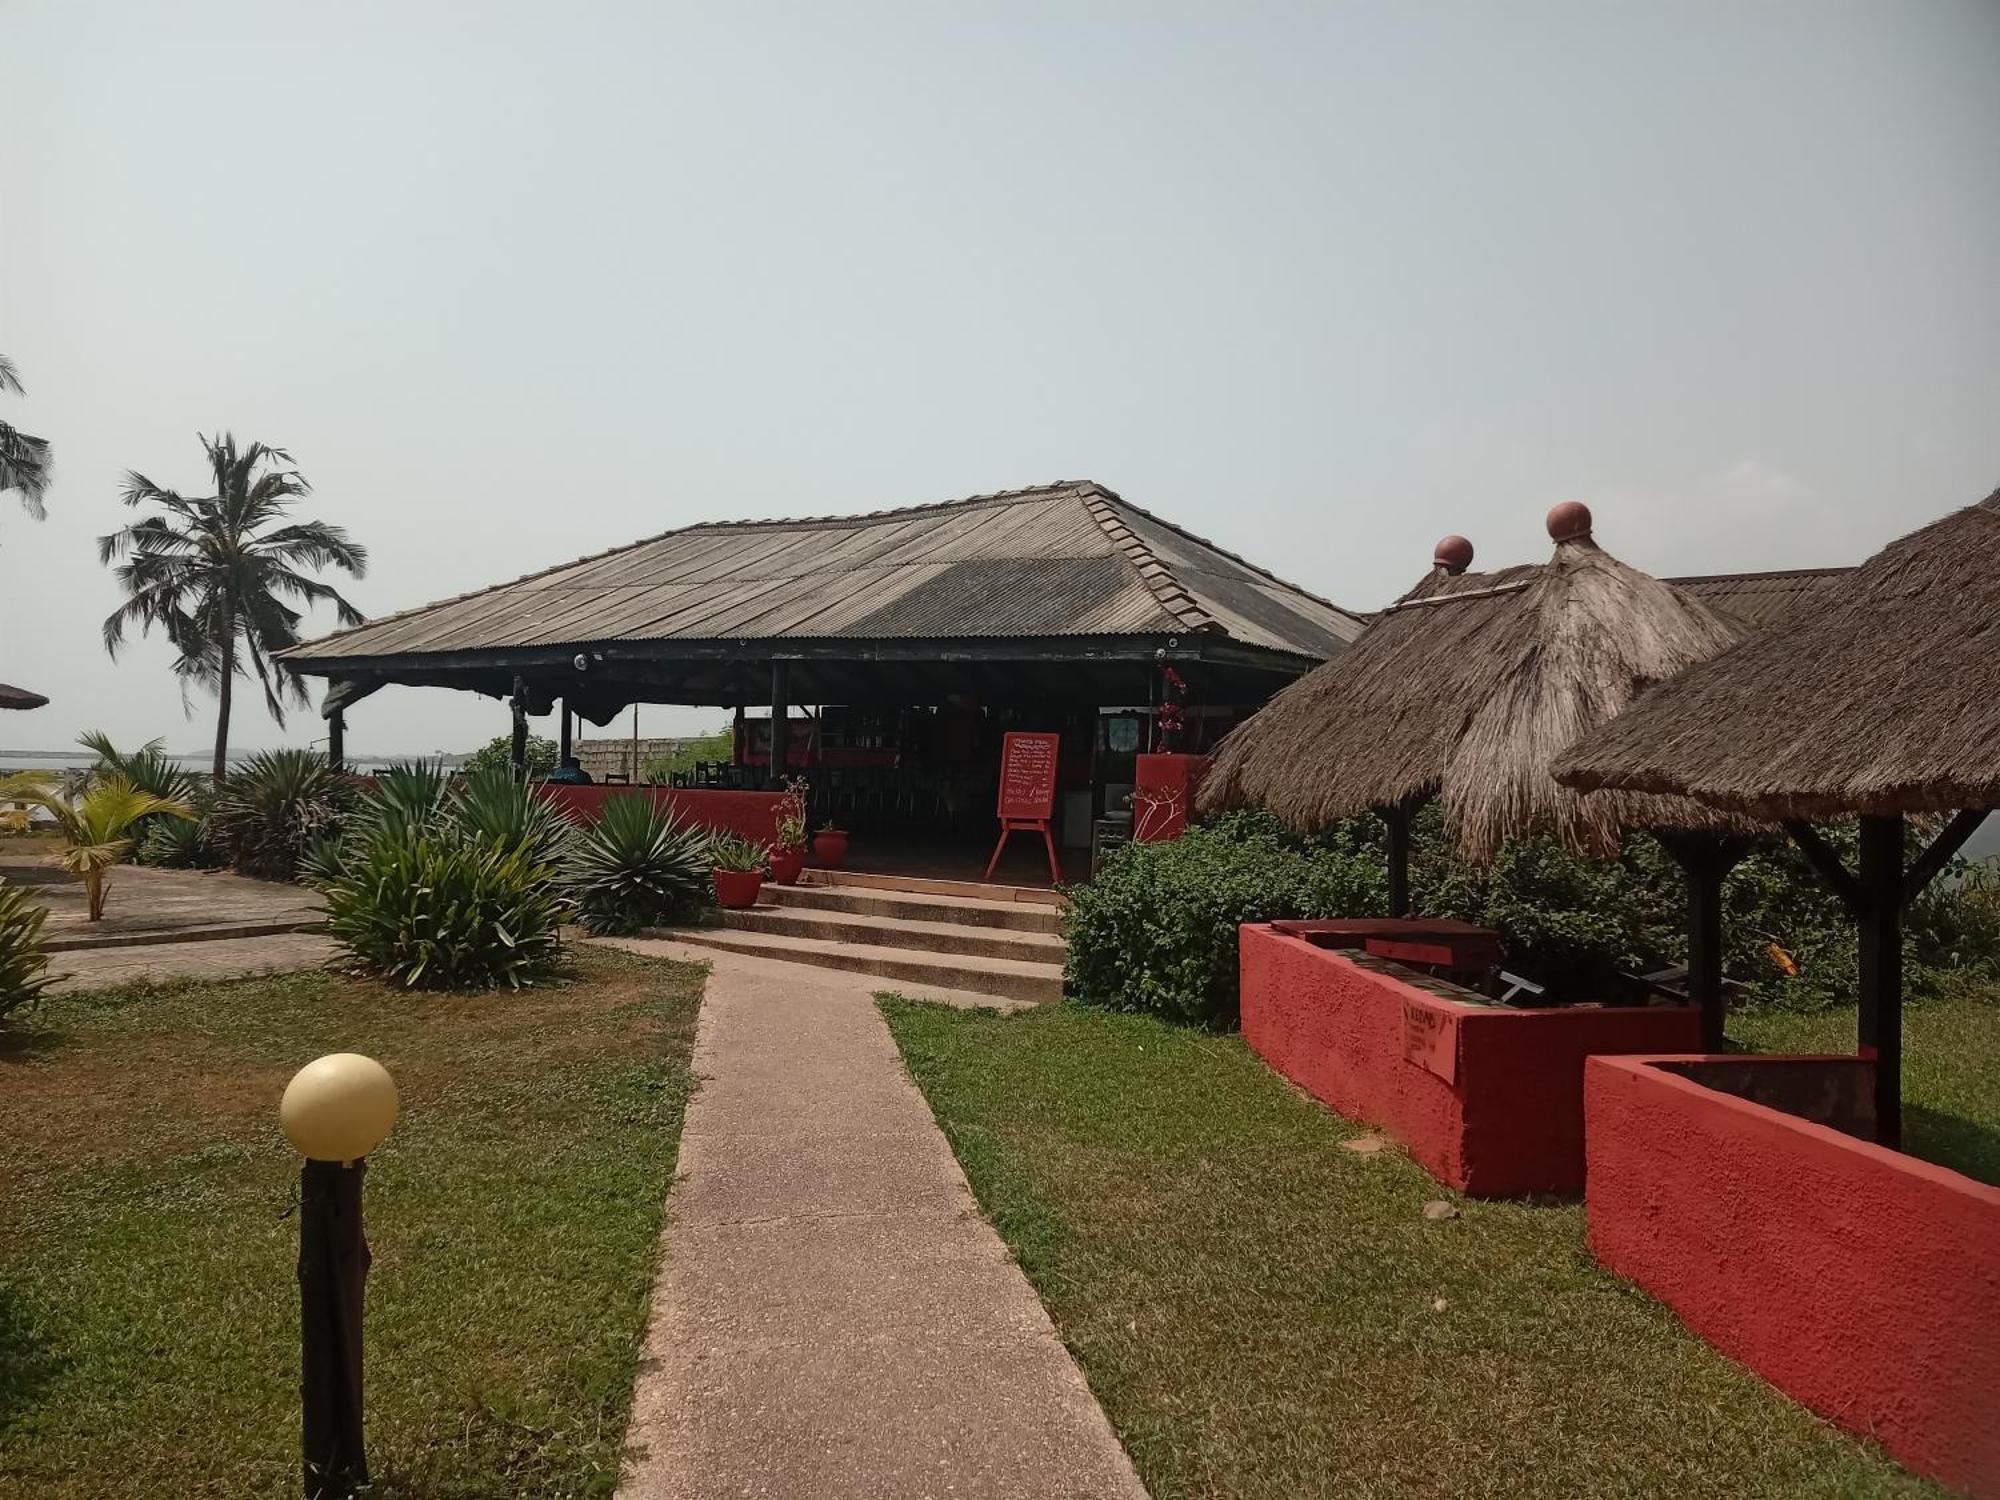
column 24, row 963
column 497, row 754
column 1156, row 930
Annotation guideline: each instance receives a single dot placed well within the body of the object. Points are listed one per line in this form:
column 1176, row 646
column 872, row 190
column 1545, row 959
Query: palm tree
column 24, row 460
column 96, row 828
column 215, row 572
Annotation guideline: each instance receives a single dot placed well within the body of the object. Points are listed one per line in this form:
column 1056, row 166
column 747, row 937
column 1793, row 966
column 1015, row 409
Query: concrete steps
column 923, row 933
column 895, row 967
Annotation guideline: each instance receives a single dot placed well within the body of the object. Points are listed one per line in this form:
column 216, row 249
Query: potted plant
column 788, row 852
column 830, row 846
column 738, row 871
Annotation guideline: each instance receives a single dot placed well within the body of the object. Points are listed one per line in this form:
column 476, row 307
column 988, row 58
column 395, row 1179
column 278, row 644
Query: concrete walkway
column 833, row 1317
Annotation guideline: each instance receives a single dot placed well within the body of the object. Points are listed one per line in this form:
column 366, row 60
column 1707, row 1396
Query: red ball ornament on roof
column 1570, row 522
column 1453, row 554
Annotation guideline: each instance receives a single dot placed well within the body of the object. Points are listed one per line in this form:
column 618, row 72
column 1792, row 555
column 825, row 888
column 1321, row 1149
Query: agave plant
column 272, row 809
column 637, row 866
column 491, row 805
column 23, row 963
column 97, row 827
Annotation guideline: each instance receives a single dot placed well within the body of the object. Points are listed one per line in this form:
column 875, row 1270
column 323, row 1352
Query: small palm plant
column 97, row 827
column 637, row 866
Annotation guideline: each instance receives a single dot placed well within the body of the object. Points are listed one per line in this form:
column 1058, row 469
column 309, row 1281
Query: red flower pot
column 737, row 889
column 830, row 847
column 786, row 865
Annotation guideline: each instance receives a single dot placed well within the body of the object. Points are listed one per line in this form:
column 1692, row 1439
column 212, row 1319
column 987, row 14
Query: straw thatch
column 1884, row 699
column 1472, row 698
column 13, row 697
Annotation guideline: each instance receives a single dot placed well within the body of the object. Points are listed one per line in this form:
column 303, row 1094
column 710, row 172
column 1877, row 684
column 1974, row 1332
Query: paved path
column 232, row 958
column 834, row 1318
column 149, row 906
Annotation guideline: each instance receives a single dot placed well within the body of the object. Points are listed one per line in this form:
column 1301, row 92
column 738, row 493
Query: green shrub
column 274, row 807
column 1156, row 929
column 493, row 806
column 719, row 746
column 497, row 754
column 436, row 907
column 180, row 844
column 638, row 866
column 23, row 962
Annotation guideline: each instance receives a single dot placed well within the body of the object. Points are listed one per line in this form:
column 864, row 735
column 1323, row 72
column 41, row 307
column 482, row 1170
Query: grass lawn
column 1266, row 1314
column 148, row 1300
column 1951, row 1072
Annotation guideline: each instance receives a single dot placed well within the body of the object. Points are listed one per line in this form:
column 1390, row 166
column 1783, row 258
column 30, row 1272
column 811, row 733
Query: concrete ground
column 161, row 906
column 833, row 1317
column 231, row 958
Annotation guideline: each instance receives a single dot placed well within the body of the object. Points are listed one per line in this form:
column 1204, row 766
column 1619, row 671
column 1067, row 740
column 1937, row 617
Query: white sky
column 1320, row 282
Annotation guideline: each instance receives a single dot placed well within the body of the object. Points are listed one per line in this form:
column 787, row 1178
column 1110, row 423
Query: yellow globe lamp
column 338, row 1107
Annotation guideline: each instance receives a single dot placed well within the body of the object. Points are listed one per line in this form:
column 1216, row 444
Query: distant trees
column 220, row 574
column 24, row 460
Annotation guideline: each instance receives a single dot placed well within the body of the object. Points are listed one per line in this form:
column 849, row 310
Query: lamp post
column 336, row 1110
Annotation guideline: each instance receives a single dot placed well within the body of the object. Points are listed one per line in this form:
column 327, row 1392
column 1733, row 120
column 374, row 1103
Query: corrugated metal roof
column 1069, row 559
column 1761, row 599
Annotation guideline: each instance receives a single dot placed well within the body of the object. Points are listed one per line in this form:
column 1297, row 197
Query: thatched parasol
column 1468, row 688
column 1882, row 702
column 1883, row 699
column 13, row 697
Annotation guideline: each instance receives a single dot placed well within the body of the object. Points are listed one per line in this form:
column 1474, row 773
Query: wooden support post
column 1705, row 860
column 336, row 741
column 736, row 737
column 519, row 756
column 1881, row 888
column 1398, row 819
column 781, row 729
column 563, row 754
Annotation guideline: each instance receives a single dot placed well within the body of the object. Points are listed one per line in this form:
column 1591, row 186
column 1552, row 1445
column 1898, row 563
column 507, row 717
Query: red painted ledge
column 750, row 815
column 1860, row 1281
column 1487, row 1098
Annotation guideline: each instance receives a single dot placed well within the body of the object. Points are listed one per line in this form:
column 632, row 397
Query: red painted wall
column 1506, row 1123
column 750, row 815
column 1858, row 1280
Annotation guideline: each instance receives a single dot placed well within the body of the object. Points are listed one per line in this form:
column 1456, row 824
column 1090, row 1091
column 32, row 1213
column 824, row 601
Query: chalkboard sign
column 1028, row 776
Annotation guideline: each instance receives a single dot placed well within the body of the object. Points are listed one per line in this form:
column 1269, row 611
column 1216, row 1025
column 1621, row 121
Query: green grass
column 148, row 1300
column 1951, row 1071
column 1265, row 1314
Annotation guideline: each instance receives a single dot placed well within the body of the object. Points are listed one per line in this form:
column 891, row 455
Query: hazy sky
column 1321, row 282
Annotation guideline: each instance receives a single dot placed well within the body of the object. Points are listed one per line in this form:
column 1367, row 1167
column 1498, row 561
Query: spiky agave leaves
column 23, row 961
column 637, row 866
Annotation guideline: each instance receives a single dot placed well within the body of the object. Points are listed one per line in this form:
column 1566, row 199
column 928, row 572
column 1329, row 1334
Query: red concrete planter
column 1486, row 1098
column 830, row 847
column 1859, row 1281
column 787, row 865
column 737, row 889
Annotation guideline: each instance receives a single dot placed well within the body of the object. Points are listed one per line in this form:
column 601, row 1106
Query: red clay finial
column 1570, row 522
column 1453, row 554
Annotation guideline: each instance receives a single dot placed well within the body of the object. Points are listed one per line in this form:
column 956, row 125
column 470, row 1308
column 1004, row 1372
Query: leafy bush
column 637, row 866
column 181, row 843
column 497, row 754
column 274, row 807
column 436, row 907
column 23, row 963
column 1156, row 930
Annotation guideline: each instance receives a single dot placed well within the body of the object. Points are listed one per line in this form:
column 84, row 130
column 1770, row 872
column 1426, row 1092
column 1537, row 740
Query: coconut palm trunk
column 224, row 684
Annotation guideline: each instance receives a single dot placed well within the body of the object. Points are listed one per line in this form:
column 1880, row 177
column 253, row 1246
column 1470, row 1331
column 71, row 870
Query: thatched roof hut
column 1883, row 699
column 14, row 697
column 1469, row 688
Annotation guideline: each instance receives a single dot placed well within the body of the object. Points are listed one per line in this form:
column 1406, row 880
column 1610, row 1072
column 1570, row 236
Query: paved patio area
column 229, row 958
column 162, row 906
column 834, row 1318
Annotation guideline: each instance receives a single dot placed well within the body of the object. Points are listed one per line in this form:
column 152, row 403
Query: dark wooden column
column 1881, row 890
column 1398, row 820
column 781, row 729
column 564, row 752
column 519, row 703
column 1705, row 860
column 336, row 741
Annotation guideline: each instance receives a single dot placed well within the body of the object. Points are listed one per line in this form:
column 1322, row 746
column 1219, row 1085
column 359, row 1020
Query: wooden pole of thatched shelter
column 1705, row 860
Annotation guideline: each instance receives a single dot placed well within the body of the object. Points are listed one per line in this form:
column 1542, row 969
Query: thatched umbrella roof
column 1884, row 699
column 1469, row 688
column 13, row 697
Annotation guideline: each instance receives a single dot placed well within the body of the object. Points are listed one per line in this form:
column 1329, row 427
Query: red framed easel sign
column 1028, row 793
